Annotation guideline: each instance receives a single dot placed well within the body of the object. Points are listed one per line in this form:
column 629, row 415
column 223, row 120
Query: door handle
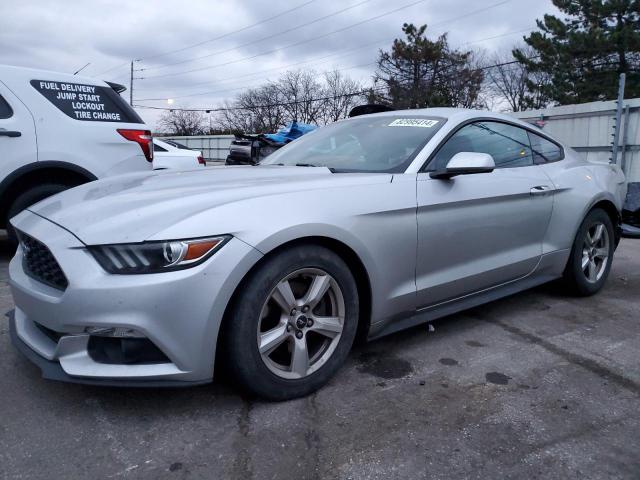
column 541, row 190
column 10, row 133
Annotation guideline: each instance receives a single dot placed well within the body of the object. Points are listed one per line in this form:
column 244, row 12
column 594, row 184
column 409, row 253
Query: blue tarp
column 290, row 132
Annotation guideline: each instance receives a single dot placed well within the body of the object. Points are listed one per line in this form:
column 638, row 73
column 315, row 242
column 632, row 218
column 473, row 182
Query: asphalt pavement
column 538, row 385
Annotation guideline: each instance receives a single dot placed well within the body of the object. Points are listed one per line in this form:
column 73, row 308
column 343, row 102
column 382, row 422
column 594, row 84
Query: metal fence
column 214, row 148
column 589, row 129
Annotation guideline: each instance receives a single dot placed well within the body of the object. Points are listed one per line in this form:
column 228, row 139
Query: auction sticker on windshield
column 413, row 122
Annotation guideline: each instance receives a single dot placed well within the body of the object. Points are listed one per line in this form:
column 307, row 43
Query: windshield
column 368, row 144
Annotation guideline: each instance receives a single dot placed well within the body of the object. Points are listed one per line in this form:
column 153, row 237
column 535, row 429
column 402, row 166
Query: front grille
column 39, row 263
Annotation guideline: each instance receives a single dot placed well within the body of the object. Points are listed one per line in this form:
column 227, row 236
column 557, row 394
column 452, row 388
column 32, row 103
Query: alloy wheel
column 301, row 323
column 595, row 252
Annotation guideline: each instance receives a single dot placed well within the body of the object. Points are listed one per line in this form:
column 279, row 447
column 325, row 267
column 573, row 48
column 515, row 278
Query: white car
column 58, row 131
column 167, row 155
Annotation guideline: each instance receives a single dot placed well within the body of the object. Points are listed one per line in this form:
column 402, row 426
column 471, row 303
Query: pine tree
column 420, row 73
column 584, row 53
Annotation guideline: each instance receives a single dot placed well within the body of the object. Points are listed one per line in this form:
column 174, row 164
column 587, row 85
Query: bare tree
column 302, row 96
column 342, row 94
column 182, row 122
column 513, row 83
column 256, row 110
column 301, row 91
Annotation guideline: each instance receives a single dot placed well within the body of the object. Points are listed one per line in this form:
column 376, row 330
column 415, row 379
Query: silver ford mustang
column 270, row 272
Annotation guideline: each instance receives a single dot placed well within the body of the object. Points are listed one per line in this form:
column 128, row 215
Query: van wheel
column 28, row 198
column 592, row 253
column 293, row 324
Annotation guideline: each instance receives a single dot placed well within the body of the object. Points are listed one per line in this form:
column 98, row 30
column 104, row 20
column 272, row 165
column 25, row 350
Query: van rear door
column 87, row 123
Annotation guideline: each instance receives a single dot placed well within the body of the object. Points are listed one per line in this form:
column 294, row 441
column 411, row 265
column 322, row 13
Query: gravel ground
column 538, row 385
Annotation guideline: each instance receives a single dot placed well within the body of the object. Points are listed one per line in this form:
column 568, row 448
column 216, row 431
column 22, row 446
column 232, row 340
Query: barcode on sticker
column 413, row 122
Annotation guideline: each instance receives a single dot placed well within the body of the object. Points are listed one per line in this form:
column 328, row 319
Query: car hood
column 132, row 208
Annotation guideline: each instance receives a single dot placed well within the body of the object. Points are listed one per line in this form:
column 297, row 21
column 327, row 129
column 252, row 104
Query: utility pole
column 131, row 86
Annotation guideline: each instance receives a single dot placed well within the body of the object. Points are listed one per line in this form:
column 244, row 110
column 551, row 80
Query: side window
column 5, row 109
column 508, row 145
column 158, row 148
column 544, row 151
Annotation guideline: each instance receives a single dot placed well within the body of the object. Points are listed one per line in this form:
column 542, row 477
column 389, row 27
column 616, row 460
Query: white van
column 58, row 131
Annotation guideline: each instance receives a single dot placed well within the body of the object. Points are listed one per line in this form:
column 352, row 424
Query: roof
column 12, row 72
column 449, row 113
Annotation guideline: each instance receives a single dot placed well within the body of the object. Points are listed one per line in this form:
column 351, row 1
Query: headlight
column 155, row 257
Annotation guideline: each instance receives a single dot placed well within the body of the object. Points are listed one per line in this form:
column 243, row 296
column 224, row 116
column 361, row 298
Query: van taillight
column 201, row 160
column 142, row 138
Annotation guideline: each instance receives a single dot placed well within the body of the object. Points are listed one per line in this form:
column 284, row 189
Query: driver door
column 481, row 230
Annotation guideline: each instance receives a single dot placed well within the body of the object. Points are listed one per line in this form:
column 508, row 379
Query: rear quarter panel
column 579, row 186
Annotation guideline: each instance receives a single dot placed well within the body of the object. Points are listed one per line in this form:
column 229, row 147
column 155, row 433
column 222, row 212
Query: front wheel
column 293, row 323
column 592, row 253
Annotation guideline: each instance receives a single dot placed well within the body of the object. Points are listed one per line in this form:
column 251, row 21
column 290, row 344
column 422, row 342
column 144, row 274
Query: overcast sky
column 65, row 35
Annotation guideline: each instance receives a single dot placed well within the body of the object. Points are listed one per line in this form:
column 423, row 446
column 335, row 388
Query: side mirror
column 466, row 163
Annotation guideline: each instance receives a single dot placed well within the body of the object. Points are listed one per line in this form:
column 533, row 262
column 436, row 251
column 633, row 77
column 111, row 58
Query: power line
column 342, row 54
column 260, row 72
column 308, row 61
column 287, row 66
column 380, row 40
column 220, row 37
column 241, row 87
column 113, row 68
column 272, row 105
column 289, row 30
column 290, row 45
column 459, row 17
column 361, row 92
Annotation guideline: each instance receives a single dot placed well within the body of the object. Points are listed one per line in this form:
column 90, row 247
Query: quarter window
column 544, row 151
column 5, row 109
column 508, row 145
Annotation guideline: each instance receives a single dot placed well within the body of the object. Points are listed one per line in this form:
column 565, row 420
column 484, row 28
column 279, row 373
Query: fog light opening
column 124, row 350
column 116, row 332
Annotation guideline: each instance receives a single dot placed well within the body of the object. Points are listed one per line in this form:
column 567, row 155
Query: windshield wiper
column 331, row 169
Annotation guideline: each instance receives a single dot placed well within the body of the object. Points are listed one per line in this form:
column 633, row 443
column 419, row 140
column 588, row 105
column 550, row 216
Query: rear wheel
column 293, row 323
column 28, row 198
column 591, row 255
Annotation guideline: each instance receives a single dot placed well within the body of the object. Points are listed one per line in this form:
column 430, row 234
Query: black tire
column 575, row 277
column 244, row 363
column 28, row 198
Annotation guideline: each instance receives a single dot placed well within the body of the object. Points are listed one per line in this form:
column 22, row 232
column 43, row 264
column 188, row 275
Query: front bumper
column 179, row 312
column 52, row 370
